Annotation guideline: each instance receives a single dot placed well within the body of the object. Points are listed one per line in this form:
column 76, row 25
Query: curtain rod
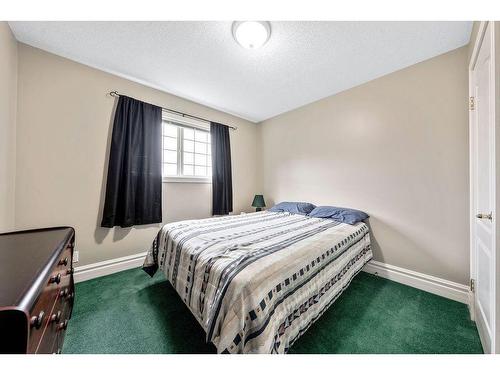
column 117, row 95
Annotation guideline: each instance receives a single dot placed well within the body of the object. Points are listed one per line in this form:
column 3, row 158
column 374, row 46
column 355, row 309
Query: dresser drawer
column 35, row 304
column 40, row 315
column 65, row 306
column 51, row 310
column 56, row 327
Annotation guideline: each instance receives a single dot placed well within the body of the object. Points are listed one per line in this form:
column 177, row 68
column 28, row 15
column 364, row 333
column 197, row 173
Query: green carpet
column 129, row 312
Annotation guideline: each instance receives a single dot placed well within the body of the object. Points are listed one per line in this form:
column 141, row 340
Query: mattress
column 255, row 282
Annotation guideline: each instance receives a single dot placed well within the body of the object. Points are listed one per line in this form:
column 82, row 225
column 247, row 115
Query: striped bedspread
column 255, row 282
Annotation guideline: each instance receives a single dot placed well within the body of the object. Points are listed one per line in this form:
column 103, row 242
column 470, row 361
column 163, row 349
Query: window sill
column 188, row 180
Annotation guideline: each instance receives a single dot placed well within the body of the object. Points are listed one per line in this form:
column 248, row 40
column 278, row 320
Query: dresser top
column 26, row 259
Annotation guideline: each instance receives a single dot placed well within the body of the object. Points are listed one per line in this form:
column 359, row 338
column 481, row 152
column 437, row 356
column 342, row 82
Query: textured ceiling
column 301, row 63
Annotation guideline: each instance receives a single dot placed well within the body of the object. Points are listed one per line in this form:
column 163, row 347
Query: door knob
column 485, row 216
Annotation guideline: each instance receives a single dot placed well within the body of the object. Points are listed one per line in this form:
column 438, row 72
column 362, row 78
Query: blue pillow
column 344, row 215
column 302, row 208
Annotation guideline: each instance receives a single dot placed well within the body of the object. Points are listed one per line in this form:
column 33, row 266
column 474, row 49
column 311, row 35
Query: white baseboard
column 431, row 284
column 441, row 287
column 107, row 267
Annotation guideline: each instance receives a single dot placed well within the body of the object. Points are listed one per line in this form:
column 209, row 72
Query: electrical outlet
column 75, row 256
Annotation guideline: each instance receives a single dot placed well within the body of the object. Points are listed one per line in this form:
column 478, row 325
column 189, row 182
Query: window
column 186, row 152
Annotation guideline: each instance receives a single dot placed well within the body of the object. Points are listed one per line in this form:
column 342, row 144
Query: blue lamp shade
column 258, row 202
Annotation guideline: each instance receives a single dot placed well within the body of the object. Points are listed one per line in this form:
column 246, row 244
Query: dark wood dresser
column 36, row 289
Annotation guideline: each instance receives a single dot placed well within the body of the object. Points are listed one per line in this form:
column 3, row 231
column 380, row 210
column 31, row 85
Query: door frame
column 494, row 345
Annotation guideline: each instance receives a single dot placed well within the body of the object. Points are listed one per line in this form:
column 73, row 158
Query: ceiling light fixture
column 251, row 34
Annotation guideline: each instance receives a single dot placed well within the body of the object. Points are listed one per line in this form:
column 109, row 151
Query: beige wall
column 64, row 124
column 8, row 104
column 395, row 147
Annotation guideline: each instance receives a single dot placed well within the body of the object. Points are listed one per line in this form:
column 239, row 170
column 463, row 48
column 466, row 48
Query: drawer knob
column 63, row 325
column 55, row 279
column 37, row 320
column 70, row 295
column 64, row 292
column 64, row 262
column 56, row 317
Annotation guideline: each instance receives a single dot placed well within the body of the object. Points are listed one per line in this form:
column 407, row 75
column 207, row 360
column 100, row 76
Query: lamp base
column 257, row 209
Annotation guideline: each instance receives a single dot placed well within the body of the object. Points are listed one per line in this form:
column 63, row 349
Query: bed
column 256, row 282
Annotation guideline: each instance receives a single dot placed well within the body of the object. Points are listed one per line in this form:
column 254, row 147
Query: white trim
column 185, row 121
column 441, row 287
column 472, row 171
column 107, row 267
column 431, row 284
column 477, row 43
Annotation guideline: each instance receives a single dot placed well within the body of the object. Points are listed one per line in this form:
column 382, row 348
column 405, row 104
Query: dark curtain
column 133, row 188
column 222, row 184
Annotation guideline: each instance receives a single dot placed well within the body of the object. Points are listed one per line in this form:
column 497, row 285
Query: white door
column 483, row 232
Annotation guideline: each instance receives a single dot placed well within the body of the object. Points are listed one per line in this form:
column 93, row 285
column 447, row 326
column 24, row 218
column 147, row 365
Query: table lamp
column 258, row 202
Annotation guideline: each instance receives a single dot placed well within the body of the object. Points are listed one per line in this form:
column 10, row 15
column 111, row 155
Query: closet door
column 483, row 187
